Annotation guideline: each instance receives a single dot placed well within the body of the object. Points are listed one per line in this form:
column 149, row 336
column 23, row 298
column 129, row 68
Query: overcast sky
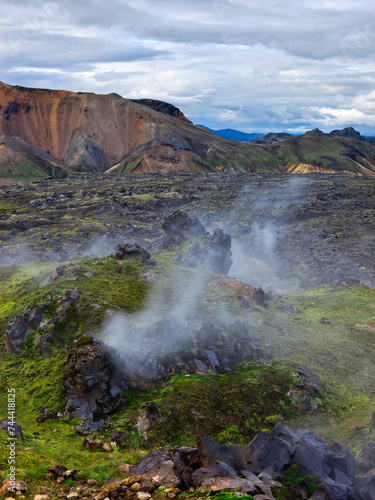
column 278, row 65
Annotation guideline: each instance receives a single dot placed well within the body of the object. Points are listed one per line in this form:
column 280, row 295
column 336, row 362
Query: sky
column 280, row 65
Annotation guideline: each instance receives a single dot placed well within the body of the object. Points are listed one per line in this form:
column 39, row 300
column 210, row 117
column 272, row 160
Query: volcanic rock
column 150, row 413
column 365, row 488
column 268, row 453
column 365, row 457
column 179, row 227
column 12, row 428
column 212, row 252
column 162, row 467
column 209, row 451
column 93, row 381
column 46, row 414
column 20, row 325
column 303, row 393
column 133, row 251
column 220, row 476
column 209, row 345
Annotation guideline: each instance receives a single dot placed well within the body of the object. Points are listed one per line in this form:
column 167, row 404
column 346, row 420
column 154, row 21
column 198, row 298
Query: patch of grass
column 26, row 170
column 292, row 480
column 229, row 408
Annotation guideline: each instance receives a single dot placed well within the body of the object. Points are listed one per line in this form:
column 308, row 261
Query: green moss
column 293, row 479
column 229, row 408
column 26, row 170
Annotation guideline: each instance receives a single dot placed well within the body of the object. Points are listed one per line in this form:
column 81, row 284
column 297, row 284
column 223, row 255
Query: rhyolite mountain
column 52, row 133
column 99, row 133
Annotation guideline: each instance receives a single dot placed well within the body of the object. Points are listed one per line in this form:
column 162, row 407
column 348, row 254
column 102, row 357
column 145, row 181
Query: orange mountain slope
column 91, row 132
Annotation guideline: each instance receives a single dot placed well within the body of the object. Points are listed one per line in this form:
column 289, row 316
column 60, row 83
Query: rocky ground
column 144, row 314
column 309, row 229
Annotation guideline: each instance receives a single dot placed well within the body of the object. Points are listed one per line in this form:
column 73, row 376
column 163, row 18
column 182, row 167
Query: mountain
column 99, row 133
column 233, row 135
column 52, row 133
column 347, row 132
column 271, row 138
column 318, row 152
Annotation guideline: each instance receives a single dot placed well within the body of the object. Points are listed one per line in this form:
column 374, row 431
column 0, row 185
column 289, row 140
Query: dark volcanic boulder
column 133, row 251
column 209, row 451
column 209, row 347
column 13, row 430
column 163, row 467
column 330, row 490
column 94, row 380
column 269, row 453
column 212, row 252
column 179, row 227
column 332, row 463
column 365, row 488
column 365, row 457
column 20, row 325
column 220, row 476
column 303, row 393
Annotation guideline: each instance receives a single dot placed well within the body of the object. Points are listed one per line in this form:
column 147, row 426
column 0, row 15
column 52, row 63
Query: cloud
column 262, row 67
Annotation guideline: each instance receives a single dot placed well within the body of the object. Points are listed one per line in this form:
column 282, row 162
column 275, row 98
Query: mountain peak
column 315, row 131
column 163, row 107
column 347, row 132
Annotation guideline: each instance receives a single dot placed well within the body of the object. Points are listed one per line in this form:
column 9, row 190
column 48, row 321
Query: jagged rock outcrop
column 163, row 107
column 216, row 467
column 209, row 251
column 304, row 393
column 94, row 380
column 332, row 463
column 20, row 325
column 133, row 251
column 209, row 347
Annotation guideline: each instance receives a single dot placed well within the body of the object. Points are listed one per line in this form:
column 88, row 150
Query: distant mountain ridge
column 52, row 133
column 234, row 135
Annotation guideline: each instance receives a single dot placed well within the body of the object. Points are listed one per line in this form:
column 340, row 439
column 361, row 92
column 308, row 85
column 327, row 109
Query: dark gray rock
column 46, row 414
column 61, row 272
column 200, row 367
column 13, row 430
column 310, row 455
column 219, row 252
column 73, row 294
column 365, row 457
column 209, row 452
column 303, row 393
column 340, row 459
column 20, row 325
column 133, row 251
column 365, row 488
column 268, row 453
column 87, row 427
column 163, row 467
column 179, row 227
column 330, row 490
column 212, row 252
column 219, row 476
column 94, row 381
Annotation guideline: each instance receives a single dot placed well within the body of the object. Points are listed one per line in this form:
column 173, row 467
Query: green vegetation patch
column 229, row 408
column 26, row 170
